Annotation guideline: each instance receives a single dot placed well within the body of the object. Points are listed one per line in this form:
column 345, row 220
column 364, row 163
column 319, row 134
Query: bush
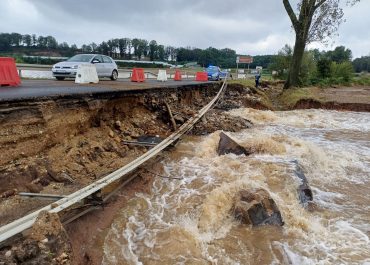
column 342, row 72
column 323, row 68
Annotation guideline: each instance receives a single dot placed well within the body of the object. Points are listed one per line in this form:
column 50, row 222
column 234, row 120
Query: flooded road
column 188, row 221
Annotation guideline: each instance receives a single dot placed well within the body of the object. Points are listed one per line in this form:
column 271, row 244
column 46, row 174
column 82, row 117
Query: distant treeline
column 140, row 49
column 362, row 64
column 124, row 48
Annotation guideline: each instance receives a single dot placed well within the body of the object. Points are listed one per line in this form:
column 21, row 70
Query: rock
column 44, row 181
column 227, row 145
column 179, row 119
column 111, row 134
column 216, row 120
column 109, row 147
column 62, row 177
column 8, row 193
column 305, row 194
column 256, row 208
column 8, row 254
column 27, row 251
column 33, row 187
column 66, row 178
column 34, row 172
column 118, row 125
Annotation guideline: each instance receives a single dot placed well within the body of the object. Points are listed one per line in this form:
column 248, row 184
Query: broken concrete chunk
column 256, row 208
column 227, row 145
column 304, row 191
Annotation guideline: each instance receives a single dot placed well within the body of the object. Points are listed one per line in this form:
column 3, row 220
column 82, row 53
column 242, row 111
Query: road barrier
column 162, row 75
column 178, row 76
column 8, row 72
column 201, row 76
column 86, row 74
column 138, row 75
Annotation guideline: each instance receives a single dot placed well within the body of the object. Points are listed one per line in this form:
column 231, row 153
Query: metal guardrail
column 27, row 221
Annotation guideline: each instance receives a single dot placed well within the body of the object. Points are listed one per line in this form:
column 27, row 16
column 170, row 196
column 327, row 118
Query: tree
column 15, row 39
column 153, row 46
column 123, row 45
column 362, row 64
column 27, row 40
column 142, row 48
column 160, row 52
column 316, row 20
column 51, row 42
column 135, row 45
column 340, row 54
column 5, row 42
column 281, row 62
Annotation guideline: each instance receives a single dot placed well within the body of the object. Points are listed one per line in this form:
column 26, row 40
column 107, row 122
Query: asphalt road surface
column 33, row 89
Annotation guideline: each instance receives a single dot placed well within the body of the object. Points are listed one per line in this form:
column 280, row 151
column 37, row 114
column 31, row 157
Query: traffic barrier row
column 139, row 76
column 8, row 72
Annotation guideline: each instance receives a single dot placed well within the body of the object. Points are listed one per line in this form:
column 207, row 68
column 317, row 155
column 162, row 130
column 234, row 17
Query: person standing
column 257, row 77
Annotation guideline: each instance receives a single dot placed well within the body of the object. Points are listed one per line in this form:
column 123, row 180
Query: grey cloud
column 256, row 27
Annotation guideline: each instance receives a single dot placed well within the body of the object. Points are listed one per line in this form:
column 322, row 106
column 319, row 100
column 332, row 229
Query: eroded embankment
column 59, row 146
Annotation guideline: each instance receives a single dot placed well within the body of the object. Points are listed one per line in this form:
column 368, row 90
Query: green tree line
column 321, row 67
column 126, row 48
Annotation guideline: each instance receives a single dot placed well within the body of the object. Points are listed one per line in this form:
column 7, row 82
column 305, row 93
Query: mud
column 333, row 105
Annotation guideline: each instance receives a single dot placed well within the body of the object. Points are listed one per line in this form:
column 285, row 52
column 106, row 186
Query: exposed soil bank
column 315, row 104
column 59, row 146
column 343, row 98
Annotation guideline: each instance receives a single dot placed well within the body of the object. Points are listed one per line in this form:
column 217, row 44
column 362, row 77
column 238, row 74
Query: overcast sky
column 247, row 26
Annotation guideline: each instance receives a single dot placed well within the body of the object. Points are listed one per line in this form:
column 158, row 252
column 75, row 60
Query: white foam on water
column 188, row 221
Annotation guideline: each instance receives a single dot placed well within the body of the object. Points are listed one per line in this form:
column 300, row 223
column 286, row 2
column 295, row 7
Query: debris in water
column 256, row 208
column 304, row 191
column 227, row 145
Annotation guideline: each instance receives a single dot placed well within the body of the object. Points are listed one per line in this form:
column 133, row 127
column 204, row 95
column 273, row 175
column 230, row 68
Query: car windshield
column 212, row 69
column 85, row 58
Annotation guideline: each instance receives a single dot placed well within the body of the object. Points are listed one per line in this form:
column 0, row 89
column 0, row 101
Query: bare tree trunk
column 295, row 65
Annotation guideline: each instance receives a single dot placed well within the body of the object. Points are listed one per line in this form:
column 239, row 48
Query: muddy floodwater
column 187, row 220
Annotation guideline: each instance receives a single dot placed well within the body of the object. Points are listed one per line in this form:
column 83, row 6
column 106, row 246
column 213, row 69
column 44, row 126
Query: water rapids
column 187, row 220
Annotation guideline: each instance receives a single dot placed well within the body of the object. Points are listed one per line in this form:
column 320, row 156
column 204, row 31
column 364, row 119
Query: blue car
column 213, row 72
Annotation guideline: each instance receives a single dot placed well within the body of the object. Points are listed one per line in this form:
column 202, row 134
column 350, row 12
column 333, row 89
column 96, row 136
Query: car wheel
column 60, row 78
column 114, row 75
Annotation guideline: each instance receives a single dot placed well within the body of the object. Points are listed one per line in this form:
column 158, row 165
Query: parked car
column 105, row 66
column 213, row 72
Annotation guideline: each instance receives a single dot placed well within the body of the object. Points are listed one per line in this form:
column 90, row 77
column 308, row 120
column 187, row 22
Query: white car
column 105, row 66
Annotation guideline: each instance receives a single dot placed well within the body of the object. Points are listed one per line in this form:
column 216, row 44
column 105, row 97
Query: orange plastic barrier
column 178, row 76
column 137, row 75
column 201, row 76
column 8, row 72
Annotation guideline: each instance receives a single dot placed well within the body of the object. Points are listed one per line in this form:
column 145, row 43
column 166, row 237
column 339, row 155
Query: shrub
column 323, row 68
column 341, row 71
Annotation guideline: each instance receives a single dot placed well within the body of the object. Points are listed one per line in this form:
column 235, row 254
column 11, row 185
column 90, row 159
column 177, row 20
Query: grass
column 250, row 83
column 290, row 97
column 362, row 80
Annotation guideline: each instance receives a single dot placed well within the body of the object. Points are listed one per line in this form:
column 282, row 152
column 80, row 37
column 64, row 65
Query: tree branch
column 291, row 14
column 320, row 3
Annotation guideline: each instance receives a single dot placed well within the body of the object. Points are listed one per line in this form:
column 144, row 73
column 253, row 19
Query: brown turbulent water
column 187, row 221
